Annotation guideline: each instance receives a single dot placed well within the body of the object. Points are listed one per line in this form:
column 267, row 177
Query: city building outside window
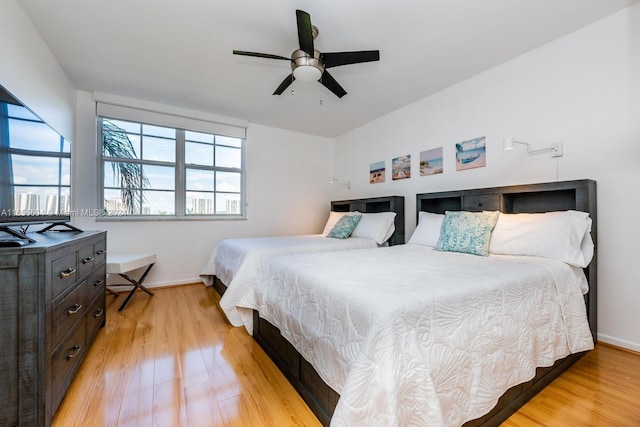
column 27, row 143
column 158, row 172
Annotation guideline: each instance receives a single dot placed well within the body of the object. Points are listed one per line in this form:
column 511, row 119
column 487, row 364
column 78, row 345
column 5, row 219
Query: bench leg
column 137, row 284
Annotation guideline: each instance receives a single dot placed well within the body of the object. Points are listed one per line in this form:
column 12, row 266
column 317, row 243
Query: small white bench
column 120, row 264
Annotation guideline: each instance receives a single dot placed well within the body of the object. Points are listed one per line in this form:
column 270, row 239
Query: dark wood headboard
column 377, row 204
column 530, row 198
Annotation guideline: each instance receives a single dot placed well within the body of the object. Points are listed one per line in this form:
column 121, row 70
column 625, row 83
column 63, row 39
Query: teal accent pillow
column 467, row 232
column 345, row 226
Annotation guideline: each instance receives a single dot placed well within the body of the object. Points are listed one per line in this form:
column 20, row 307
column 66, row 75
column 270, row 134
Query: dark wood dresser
column 52, row 304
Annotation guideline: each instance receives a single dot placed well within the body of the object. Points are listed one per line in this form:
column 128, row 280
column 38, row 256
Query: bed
column 374, row 367
column 235, row 265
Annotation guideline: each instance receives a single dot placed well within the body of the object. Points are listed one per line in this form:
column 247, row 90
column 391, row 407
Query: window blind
column 115, row 107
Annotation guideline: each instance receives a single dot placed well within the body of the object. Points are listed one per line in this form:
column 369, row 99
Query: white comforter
column 410, row 336
column 239, row 263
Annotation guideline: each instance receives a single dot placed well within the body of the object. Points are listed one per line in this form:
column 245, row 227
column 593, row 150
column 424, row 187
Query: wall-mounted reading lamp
column 337, row 182
column 556, row 148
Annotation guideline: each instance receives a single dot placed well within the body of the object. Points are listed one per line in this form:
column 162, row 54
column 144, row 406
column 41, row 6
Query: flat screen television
column 35, row 170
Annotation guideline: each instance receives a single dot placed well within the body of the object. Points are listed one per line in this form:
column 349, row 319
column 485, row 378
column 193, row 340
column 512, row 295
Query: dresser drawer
column 86, row 260
column 100, row 252
column 96, row 315
column 68, row 311
column 96, row 283
column 66, row 357
column 63, row 274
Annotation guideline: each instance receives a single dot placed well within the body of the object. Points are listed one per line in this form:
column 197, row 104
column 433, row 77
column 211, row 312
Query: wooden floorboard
column 173, row 360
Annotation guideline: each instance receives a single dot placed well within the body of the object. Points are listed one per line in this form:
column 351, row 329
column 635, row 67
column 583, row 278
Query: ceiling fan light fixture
column 307, row 73
column 305, row 67
column 308, row 64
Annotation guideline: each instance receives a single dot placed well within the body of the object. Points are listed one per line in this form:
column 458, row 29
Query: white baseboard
column 155, row 285
column 174, row 283
column 618, row 342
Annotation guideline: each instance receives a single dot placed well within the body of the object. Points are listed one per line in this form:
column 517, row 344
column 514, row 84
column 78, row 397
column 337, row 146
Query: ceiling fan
column 309, row 64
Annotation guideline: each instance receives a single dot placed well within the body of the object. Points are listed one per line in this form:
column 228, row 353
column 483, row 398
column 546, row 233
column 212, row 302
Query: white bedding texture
column 239, row 263
column 437, row 347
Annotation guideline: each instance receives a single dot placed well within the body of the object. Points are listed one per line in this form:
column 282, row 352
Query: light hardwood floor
column 172, row 360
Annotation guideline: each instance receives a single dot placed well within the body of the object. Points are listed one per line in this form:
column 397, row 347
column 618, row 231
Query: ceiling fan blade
column 285, row 84
column 260, row 55
column 330, row 83
column 334, row 59
column 305, row 32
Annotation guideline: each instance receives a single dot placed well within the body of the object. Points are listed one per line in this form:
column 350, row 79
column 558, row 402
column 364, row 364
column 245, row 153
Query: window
column 151, row 171
column 35, row 164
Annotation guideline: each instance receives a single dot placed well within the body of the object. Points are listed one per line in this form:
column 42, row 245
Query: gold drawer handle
column 75, row 350
column 98, row 282
column 68, row 272
column 87, row 260
column 101, row 251
column 75, row 309
column 98, row 313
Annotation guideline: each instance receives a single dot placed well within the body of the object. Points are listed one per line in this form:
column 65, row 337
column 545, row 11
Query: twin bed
column 236, row 265
column 409, row 335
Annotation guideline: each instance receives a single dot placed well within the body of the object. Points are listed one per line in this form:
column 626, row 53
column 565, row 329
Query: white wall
column 31, row 73
column 287, row 193
column 583, row 90
column 287, row 172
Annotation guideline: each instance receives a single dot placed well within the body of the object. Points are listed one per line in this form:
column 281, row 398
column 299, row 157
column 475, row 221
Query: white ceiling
column 179, row 52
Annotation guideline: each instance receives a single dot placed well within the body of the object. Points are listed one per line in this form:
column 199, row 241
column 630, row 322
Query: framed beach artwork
column 401, row 167
column 376, row 172
column 471, row 154
column 431, row 162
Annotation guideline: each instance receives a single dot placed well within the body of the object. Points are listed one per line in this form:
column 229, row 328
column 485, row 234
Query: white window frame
column 181, row 123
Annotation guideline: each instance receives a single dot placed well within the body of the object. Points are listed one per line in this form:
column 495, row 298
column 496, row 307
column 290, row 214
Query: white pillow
column 428, row 230
column 376, row 226
column 334, row 217
column 564, row 236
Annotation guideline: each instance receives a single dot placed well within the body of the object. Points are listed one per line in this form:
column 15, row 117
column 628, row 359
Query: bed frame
column 532, row 198
column 370, row 205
